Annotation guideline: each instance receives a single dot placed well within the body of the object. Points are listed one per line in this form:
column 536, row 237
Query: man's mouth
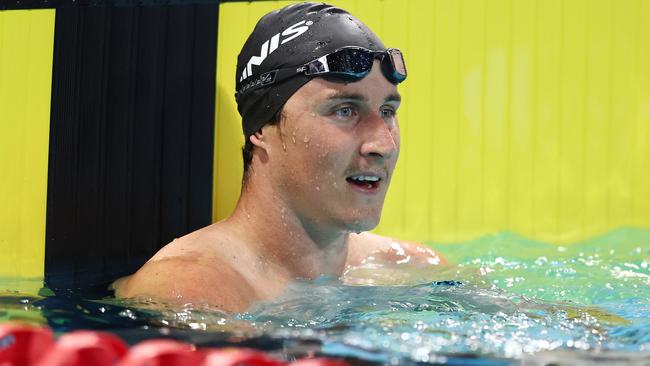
column 366, row 183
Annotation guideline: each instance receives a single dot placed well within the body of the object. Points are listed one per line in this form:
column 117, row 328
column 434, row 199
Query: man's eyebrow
column 362, row 98
column 393, row 98
column 347, row 96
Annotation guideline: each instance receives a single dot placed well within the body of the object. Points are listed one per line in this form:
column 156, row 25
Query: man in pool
column 317, row 92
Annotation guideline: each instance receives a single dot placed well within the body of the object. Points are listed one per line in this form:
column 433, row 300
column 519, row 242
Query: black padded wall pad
column 131, row 140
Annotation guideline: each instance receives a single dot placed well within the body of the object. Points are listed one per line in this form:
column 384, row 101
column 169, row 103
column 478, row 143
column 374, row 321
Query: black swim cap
column 291, row 36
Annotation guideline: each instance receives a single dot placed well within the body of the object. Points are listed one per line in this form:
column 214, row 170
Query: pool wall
column 119, row 132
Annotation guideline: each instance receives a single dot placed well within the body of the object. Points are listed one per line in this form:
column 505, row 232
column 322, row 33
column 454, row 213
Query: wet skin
column 318, row 181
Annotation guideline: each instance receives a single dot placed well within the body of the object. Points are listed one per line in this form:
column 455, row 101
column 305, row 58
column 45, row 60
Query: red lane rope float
column 84, row 347
column 319, row 362
column 237, row 356
column 161, row 352
column 22, row 344
column 27, row 345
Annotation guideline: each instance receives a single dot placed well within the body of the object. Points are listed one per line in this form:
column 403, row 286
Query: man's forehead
column 373, row 87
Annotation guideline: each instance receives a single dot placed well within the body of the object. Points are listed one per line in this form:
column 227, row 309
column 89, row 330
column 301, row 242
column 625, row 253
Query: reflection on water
column 504, row 297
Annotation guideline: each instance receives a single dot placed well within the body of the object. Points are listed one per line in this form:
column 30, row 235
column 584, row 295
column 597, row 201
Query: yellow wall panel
column 622, row 101
column 444, row 118
column 598, row 115
column 469, row 179
column 546, row 117
column 572, row 119
column 641, row 116
column 521, row 107
column 642, row 147
column 415, row 218
column 495, row 114
column 521, row 115
column 26, row 50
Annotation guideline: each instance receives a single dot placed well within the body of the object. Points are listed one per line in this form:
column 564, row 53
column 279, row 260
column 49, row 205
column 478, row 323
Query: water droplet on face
column 306, row 139
column 284, row 146
column 318, row 188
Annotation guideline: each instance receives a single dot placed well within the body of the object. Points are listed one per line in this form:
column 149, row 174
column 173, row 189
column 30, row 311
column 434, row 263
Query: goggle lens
column 355, row 63
column 399, row 67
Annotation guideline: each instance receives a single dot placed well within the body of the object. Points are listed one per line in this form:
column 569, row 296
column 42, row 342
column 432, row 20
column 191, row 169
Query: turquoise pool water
column 506, row 298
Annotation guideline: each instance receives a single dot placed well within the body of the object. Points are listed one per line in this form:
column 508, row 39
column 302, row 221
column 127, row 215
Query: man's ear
column 258, row 140
column 264, row 137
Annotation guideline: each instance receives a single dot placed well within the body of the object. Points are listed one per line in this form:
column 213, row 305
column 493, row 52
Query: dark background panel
column 131, row 138
column 42, row 4
column 45, row 4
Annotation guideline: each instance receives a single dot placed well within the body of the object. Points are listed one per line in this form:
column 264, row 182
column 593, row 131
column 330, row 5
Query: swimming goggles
column 347, row 63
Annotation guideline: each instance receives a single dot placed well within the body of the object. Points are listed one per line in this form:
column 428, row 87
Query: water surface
column 505, row 298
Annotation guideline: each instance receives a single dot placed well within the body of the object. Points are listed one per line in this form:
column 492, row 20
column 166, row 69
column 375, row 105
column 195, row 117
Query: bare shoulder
column 363, row 245
column 181, row 280
column 182, row 273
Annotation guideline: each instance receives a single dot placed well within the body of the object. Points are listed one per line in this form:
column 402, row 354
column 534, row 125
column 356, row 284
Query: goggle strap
column 316, row 67
column 267, row 78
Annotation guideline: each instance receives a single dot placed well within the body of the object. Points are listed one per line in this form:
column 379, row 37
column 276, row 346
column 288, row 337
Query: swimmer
column 317, row 93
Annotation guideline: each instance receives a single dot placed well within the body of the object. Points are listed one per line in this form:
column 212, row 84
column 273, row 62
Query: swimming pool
column 508, row 300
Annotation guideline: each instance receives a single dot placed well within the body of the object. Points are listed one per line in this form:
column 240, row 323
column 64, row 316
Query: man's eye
column 388, row 112
column 345, row 112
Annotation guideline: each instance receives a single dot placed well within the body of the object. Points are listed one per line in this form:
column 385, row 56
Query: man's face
column 333, row 154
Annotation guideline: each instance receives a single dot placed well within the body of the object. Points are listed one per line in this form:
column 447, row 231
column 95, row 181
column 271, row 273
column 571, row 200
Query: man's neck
column 285, row 242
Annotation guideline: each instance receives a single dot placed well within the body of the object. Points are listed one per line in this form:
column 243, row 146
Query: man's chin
column 361, row 225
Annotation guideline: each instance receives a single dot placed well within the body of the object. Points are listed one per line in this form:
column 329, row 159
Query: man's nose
column 381, row 138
